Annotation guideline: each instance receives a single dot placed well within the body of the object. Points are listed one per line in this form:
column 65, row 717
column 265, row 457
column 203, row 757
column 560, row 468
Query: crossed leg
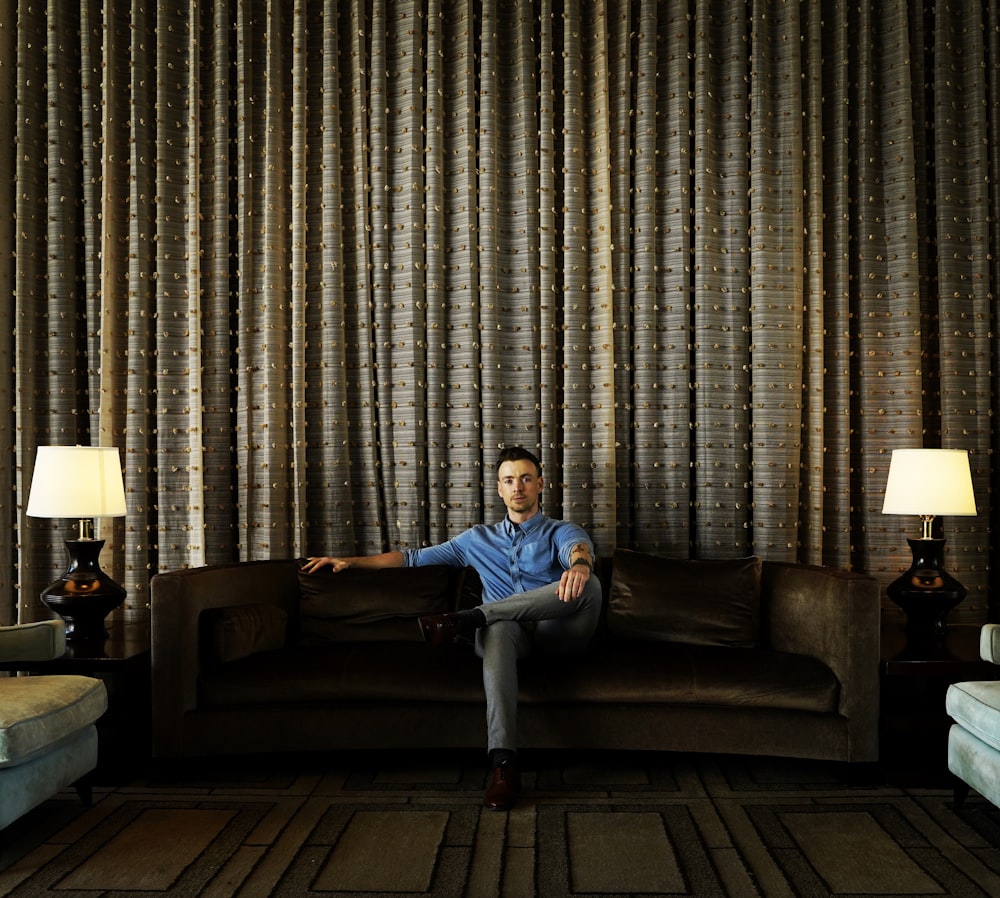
column 516, row 626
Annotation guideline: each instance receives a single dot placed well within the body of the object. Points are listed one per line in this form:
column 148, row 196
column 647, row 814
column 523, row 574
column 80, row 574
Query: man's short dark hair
column 518, row 453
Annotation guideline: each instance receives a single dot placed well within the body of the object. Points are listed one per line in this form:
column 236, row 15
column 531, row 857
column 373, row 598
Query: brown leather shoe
column 503, row 789
column 441, row 629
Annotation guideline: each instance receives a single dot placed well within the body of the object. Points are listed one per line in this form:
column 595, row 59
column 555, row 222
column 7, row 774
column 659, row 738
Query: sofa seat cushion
column 640, row 672
column 349, row 671
column 675, row 673
column 975, row 706
column 37, row 712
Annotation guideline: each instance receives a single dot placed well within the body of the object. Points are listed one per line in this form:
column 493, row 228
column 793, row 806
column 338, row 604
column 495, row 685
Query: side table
column 914, row 677
column 123, row 662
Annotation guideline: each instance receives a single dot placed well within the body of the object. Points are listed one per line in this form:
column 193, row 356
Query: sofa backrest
column 358, row 605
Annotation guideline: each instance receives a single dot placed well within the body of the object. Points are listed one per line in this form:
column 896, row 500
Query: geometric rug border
column 694, row 861
column 451, row 864
column 805, row 880
column 723, row 822
column 44, row 882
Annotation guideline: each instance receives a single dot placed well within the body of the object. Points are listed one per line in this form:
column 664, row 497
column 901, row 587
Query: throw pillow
column 370, row 605
column 238, row 631
column 685, row 600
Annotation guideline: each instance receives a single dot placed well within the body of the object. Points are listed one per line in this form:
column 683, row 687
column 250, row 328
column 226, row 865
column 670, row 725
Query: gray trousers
column 524, row 622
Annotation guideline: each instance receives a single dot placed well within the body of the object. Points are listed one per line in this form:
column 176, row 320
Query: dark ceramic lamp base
column 84, row 596
column 926, row 592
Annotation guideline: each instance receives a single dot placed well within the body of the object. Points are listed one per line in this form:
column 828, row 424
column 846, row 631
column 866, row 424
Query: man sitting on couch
column 538, row 594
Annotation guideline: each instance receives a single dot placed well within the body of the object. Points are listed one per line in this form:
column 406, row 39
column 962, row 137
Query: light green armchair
column 974, row 738
column 48, row 736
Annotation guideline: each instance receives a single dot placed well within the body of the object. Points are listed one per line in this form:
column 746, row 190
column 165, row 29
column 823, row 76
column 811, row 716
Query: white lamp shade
column 929, row 482
column 77, row 482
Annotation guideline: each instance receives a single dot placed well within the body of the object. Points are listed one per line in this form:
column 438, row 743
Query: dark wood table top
column 955, row 654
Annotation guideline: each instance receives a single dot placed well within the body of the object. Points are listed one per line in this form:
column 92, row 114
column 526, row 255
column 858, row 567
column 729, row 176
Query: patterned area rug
column 598, row 825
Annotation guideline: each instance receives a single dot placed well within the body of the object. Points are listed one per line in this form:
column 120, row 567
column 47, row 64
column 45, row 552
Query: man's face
column 520, row 487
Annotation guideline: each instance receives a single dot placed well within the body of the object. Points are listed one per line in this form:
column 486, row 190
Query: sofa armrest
column 177, row 600
column 834, row 616
column 41, row 641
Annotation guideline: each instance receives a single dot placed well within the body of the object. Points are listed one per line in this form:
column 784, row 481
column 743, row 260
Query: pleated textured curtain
column 309, row 265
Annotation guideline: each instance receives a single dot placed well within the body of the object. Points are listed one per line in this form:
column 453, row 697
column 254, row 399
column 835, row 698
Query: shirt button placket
column 515, row 565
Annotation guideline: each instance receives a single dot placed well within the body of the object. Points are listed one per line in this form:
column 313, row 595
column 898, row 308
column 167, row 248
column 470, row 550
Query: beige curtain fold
column 11, row 481
column 310, row 266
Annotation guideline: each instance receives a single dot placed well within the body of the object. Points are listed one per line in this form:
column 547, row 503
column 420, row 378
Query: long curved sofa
column 737, row 656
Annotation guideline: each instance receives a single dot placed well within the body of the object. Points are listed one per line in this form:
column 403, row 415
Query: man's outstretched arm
column 366, row 562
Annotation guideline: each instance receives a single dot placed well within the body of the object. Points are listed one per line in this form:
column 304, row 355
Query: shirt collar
column 510, row 528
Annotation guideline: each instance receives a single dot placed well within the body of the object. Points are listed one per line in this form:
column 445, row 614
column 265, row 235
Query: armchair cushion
column 685, row 600
column 975, row 706
column 38, row 712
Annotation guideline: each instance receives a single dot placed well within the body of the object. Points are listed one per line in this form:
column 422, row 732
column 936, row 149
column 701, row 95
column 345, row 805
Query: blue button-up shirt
column 508, row 557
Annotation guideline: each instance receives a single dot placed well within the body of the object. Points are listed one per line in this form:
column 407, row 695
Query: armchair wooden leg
column 85, row 789
column 960, row 791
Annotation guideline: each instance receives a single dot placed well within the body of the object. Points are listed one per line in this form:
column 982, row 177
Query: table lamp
column 928, row 483
column 83, row 482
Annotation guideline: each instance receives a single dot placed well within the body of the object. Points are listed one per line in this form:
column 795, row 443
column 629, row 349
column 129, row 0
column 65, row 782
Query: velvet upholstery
column 39, row 712
column 67, row 763
column 370, row 606
column 807, row 687
column 48, row 736
column 685, row 600
column 975, row 706
column 229, row 634
column 640, row 674
column 33, row 642
column 974, row 738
